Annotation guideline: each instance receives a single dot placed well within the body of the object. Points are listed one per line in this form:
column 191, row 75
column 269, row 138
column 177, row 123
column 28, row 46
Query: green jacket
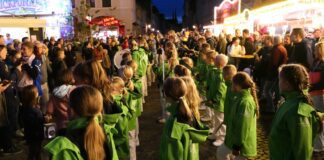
column 243, row 126
column 141, row 58
column 134, row 103
column 228, row 102
column 216, row 89
column 201, row 74
column 167, row 73
column 180, row 141
column 121, row 138
column 293, row 130
column 62, row 148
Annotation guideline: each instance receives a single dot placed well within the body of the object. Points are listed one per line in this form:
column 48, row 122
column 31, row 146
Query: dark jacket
column 34, row 124
column 70, row 59
column 87, row 53
column 211, row 41
column 248, row 45
column 58, row 67
column 302, row 54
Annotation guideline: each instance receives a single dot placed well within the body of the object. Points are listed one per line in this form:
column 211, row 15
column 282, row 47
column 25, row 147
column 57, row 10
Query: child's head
column 175, row 88
column 87, row 102
column 229, row 72
column 133, row 64
column 187, row 62
column 181, row 71
column 205, row 47
column 66, row 77
column 127, row 73
column 293, row 77
column 29, row 96
column 60, row 54
column 243, row 81
column 117, row 86
column 221, row 60
column 192, row 96
column 210, row 56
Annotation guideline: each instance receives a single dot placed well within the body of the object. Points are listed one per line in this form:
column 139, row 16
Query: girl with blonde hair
column 182, row 131
column 86, row 137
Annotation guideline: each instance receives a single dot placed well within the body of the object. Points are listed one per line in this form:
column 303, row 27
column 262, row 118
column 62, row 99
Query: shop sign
column 34, row 7
column 105, row 21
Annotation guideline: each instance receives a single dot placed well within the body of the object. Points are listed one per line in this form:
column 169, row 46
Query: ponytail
column 253, row 91
column 94, row 140
column 184, row 108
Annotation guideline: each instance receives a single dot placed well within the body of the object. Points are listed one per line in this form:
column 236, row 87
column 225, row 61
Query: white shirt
column 236, row 50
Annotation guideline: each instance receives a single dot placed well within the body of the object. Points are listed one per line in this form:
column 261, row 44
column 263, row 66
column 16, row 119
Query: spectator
column 302, row 49
column 58, row 66
column 288, row 45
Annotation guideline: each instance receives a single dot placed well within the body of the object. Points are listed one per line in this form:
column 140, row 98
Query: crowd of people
column 95, row 103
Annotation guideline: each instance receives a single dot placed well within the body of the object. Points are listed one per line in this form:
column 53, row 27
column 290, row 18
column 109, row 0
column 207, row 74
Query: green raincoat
column 180, row 141
column 201, row 74
column 134, row 103
column 216, row 89
column 62, row 148
column 121, row 138
column 293, row 130
column 141, row 58
column 243, row 124
column 229, row 108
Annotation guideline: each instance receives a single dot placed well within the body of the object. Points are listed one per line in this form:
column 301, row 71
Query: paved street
column 151, row 131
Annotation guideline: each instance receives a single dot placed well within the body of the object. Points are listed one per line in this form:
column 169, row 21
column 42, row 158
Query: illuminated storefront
column 36, row 18
column 275, row 18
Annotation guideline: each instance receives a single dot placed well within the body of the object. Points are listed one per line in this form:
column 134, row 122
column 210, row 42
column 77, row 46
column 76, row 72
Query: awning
column 105, row 21
column 22, row 22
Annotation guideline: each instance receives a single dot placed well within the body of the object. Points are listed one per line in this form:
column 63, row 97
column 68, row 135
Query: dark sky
column 167, row 7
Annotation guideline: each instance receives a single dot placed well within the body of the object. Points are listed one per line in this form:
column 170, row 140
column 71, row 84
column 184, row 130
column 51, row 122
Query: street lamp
column 194, row 27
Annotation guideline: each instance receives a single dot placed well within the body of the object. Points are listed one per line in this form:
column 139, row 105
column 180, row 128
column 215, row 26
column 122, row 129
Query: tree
column 82, row 17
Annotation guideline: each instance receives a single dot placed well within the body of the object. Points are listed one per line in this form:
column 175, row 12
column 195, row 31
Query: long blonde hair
column 192, row 96
column 87, row 101
column 176, row 89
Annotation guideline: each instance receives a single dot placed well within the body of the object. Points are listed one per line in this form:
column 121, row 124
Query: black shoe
column 12, row 151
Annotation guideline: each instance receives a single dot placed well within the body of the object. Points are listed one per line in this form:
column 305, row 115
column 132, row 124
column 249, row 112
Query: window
column 106, row 3
column 91, row 3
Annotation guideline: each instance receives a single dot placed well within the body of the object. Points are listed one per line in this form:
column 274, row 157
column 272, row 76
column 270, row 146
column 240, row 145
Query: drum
column 50, row 130
column 119, row 57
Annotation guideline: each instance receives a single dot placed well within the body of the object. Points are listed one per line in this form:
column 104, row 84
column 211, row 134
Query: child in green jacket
column 241, row 136
column 216, row 92
column 87, row 137
column 117, row 94
column 182, row 131
column 296, row 123
column 134, row 103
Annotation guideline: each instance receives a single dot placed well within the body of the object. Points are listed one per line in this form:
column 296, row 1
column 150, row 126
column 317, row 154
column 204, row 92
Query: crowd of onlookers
column 40, row 83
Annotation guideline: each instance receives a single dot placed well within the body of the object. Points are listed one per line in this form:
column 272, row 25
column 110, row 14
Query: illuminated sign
column 226, row 9
column 105, row 21
column 34, row 7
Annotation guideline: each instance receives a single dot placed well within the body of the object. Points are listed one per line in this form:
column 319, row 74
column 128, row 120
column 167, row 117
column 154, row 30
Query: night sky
column 167, row 7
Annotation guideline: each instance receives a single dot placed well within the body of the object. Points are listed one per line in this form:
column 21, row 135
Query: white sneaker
column 218, row 143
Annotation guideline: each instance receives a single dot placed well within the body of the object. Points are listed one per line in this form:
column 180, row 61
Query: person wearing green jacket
column 182, row 132
column 122, row 126
column 241, row 134
column 87, row 137
column 296, row 123
column 216, row 92
column 134, row 102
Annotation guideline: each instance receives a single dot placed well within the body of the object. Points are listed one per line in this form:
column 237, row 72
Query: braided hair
column 298, row 78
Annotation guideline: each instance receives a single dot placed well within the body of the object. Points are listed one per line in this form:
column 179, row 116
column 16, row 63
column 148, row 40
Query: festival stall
column 107, row 26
